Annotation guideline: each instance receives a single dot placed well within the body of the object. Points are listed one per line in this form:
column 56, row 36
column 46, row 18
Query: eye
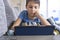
column 31, row 7
column 35, row 7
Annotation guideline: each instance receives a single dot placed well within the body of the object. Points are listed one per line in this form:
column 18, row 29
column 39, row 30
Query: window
column 50, row 8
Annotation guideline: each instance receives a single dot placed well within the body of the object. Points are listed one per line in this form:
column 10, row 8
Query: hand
column 37, row 14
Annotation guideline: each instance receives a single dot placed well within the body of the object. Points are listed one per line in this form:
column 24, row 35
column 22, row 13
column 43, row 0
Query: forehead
column 31, row 3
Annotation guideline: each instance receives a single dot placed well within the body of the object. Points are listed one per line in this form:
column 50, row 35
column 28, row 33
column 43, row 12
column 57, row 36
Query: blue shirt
column 24, row 16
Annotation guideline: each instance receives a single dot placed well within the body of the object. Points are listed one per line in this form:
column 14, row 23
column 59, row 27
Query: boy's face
column 32, row 8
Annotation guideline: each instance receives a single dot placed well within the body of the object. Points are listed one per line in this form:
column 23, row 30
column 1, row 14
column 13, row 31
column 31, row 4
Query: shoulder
column 24, row 12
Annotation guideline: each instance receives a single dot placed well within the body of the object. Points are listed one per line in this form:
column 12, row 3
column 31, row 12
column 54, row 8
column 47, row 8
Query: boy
column 31, row 14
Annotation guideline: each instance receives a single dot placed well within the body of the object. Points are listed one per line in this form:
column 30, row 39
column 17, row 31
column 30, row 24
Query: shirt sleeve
column 21, row 16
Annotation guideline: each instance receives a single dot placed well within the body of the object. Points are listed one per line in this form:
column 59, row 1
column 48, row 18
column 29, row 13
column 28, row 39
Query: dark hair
column 36, row 1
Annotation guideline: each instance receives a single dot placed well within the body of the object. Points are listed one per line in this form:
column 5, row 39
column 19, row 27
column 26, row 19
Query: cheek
column 29, row 11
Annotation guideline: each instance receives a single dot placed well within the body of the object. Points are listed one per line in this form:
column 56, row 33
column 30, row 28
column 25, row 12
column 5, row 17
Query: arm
column 16, row 23
column 43, row 20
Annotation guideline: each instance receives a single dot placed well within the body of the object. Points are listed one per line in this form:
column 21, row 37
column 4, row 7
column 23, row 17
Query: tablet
column 34, row 30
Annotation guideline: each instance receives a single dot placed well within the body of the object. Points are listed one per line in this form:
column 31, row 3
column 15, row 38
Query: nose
column 33, row 10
